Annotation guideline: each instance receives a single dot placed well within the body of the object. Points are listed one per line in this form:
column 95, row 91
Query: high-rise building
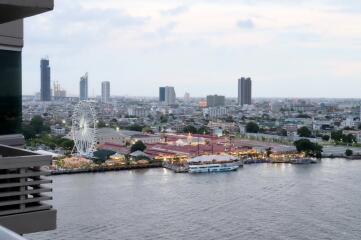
column 45, row 91
column 84, row 87
column 187, row 97
column 216, row 101
column 244, row 91
column 162, row 94
column 105, row 91
column 58, row 91
column 170, row 96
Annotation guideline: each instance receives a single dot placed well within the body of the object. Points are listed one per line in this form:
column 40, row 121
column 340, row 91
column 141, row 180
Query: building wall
column 215, row 101
column 45, row 92
column 11, row 42
column 84, row 88
column 244, row 91
column 105, row 92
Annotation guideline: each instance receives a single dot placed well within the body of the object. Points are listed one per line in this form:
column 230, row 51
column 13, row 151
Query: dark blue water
column 261, row 201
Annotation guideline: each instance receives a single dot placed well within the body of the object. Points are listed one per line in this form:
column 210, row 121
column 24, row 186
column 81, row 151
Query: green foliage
column 34, row 127
column 147, row 130
column 339, row 137
column 326, row 138
column 349, row 152
column 101, row 124
column 53, row 142
column 190, row 129
column 304, row 132
column 252, row 127
column 336, row 136
column 309, row 148
column 102, row 155
column 37, row 124
column 136, row 127
column 163, row 119
column 138, row 146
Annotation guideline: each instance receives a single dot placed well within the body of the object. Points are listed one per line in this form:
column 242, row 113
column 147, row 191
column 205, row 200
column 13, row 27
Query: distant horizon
column 204, row 97
column 200, row 47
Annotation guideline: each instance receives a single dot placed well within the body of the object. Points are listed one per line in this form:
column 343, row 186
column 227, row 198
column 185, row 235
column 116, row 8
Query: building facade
column 45, row 90
column 84, row 88
column 105, row 92
column 216, row 101
column 244, row 91
column 170, row 96
column 162, row 94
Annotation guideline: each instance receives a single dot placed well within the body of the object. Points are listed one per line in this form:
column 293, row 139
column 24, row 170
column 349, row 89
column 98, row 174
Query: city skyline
column 166, row 44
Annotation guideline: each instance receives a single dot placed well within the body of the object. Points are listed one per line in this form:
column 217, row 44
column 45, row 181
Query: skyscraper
column 105, row 91
column 162, row 94
column 84, row 87
column 215, row 101
column 244, row 91
column 45, row 92
column 170, row 96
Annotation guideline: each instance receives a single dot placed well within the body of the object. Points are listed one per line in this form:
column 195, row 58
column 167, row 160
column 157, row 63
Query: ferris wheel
column 84, row 128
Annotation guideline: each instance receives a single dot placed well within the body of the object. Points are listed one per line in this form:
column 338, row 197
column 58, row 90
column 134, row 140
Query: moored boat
column 213, row 163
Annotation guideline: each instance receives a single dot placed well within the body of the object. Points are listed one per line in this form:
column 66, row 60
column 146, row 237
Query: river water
column 258, row 202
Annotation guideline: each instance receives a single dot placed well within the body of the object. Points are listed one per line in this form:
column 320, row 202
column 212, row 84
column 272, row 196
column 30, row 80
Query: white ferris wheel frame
column 84, row 128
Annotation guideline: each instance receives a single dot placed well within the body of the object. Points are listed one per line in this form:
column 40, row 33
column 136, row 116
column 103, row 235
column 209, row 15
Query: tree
column 28, row 132
column 138, row 146
column 349, row 139
column 349, row 152
column 309, row 148
column 326, row 138
column 37, row 123
column 269, row 151
column 190, row 129
column 252, row 127
column 101, row 124
column 136, row 127
column 304, row 132
column 336, row 136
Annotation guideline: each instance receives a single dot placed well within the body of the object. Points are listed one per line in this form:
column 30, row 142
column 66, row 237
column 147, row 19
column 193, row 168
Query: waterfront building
column 45, row 91
column 244, row 91
column 215, row 101
column 84, row 88
column 105, row 92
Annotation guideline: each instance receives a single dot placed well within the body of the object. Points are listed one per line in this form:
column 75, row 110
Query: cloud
column 175, row 11
column 246, row 24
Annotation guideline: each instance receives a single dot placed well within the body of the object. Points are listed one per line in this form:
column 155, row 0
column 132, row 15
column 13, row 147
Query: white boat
column 213, row 163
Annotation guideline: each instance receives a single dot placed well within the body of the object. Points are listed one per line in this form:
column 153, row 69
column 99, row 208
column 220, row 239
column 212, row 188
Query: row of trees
column 34, row 127
column 193, row 130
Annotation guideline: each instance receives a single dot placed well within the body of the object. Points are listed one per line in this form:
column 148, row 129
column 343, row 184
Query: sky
column 290, row 48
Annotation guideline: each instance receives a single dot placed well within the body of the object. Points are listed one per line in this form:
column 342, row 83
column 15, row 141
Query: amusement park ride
column 84, row 129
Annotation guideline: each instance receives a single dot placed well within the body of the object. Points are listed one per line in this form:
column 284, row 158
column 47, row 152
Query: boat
column 213, row 163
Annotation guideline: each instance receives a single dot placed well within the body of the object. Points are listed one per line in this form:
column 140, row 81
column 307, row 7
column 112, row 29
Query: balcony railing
column 24, row 189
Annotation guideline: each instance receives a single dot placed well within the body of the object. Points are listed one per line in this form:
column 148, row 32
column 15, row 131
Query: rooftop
column 11, row 10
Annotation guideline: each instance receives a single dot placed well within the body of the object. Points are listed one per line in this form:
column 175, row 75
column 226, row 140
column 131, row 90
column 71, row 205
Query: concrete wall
column 12, row 35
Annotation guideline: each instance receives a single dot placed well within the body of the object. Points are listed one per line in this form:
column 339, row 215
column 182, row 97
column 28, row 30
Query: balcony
column 24, row 191
column 11, row 10
column 9, row 235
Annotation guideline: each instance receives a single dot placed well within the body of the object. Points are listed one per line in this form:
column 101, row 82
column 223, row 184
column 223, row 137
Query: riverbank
column 105, row 169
